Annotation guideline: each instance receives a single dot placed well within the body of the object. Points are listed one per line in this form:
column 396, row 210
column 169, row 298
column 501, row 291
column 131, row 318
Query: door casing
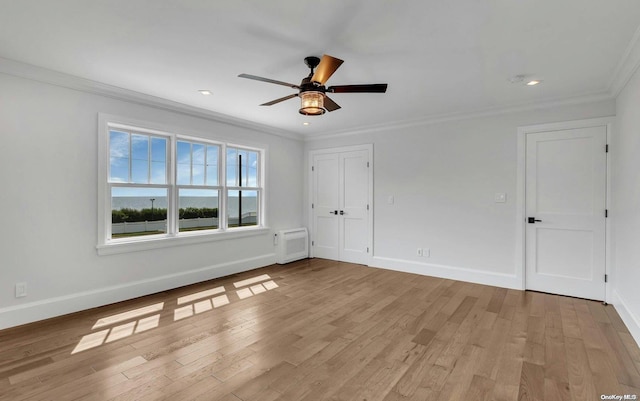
column 310, row 157
column 520, row 254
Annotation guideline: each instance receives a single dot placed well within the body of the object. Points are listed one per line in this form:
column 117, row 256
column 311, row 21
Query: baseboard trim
column 630, row 320
column 449, row 272
column 58, row 306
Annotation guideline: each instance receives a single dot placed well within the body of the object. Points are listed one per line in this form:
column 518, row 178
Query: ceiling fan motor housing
column 307, row 85
column 312, row 62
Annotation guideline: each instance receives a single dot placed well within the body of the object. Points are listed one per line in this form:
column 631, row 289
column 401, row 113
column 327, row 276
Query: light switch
column 390, row 200
column 500, row 197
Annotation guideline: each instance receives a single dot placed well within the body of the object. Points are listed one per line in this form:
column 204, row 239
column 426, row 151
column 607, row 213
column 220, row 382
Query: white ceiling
column 440, row 58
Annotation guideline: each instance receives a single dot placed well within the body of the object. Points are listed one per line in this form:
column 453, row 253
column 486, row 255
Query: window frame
column 177, row 187
column 258, row 189
column 173, row 236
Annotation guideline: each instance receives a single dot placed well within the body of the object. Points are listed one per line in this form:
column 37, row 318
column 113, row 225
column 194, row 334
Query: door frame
column 310, row 155
column 520, row 257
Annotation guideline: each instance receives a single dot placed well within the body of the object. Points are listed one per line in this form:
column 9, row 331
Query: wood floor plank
column 326, row 330
column 531, row 382
column 615, row 319
column 497, row 337
column 497, row 299
column 463, row 310
column 604, row 378
column 556, row 391
column 423, row 372
column 570, row 325
column 632, row 348
column 480, row 389
column 623, row 365
column 580, row 376
column 461, row 376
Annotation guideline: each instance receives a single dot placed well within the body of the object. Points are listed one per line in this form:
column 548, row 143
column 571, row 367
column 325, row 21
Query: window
column 243, row 191
column 138, row 184
column 198, row 190
column 160, row 185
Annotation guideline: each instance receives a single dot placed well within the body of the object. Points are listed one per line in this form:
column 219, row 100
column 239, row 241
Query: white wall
column 48, row 198
column 443, row 177
column 625, row 212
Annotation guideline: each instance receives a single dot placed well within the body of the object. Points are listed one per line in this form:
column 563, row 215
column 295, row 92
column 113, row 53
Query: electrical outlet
column 426, row 252
column 419, row 252
column 21, row 290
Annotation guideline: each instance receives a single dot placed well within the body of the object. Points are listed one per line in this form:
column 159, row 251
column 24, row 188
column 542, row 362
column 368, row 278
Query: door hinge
column 367, row 206
column 606, row 278
column 313, row 243
column 606, row 213
column 606, row 148
column 367, row 249
column 312, row 168
column 367, row 164
column 312, row 206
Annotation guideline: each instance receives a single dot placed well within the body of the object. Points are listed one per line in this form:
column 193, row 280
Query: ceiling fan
column 312, row 92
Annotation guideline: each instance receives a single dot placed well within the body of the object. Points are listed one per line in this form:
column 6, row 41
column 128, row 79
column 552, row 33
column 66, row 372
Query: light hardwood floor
column 317, row 329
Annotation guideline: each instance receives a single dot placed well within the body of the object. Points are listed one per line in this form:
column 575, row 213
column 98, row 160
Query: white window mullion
column 108, row 212
column 149, row 141
column 172, row 165
column 222, row 177
column 130, row 158
column 206, row 152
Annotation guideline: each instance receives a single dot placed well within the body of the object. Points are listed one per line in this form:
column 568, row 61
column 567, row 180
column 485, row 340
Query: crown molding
column 441, row 118
column 627, row 66
column 44, row 75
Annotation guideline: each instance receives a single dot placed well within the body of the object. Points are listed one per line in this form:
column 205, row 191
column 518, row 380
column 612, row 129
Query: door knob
column 342, row 213
column 334, row 212
column 532, row 220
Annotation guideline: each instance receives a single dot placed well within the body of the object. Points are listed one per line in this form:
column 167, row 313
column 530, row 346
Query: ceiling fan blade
column 271, row 81
column 329, row 104
column 371, row 88
column 282, row 99
column 328, row 65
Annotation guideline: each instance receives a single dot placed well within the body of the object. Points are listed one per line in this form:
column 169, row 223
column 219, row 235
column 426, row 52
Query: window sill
column 144, row 244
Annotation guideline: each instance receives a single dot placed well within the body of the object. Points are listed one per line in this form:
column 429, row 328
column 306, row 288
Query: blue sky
column 139, row 158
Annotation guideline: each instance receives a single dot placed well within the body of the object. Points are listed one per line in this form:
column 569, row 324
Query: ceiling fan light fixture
column 312, row 103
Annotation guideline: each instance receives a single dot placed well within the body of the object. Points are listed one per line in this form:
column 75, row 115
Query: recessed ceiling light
column 205, row 92
column 306, row 123
column 533, row 82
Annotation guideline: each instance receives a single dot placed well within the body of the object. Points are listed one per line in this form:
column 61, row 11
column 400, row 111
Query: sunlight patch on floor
column 270, row 285
column 128, row 315
column 137, row 322
column 91, row 341
column 252, row 280
column 148, row 323
column 116, row 333
column 122, row 331
column 244, row 293
column 222, row 300
column 201, row 294
column 258, row 289
column 181, row 313
column 203, row 306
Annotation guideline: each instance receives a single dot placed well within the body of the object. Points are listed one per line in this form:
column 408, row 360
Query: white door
column 326, row 206
column 565, row 212
column 341, row 206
